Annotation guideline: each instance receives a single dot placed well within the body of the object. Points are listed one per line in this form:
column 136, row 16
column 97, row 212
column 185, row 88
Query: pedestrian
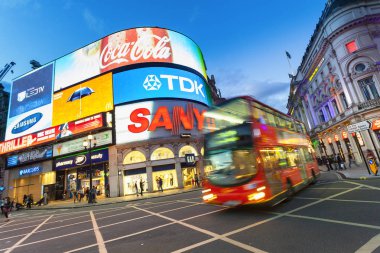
column 107, row 190
column 29, row 201
column 7, row 208
column 24, row 200
column 2, row 205
column 350, row 159
column 93, row 194
column 136, row 189
column 75, row 195
column 141, row 186
column 196, row 179
column 160, row 184
column 87, row 193
column 328, row 163
column 340, row 162
column 45, row 198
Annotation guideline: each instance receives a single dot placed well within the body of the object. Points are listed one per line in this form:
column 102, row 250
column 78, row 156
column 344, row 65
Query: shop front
column 34, row 180
column 167, row 174
column 73, row 173
column 133, row 178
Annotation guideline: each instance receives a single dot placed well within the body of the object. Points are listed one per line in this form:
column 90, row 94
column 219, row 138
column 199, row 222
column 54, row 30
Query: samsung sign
column 81, row 159
column 30, row 156
column 29, row 171
column 158, row 82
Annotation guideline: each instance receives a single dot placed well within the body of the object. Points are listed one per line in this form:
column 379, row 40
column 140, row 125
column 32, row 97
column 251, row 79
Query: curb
column 108, row 203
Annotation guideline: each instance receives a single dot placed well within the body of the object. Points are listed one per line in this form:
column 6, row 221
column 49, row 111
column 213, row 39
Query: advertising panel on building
column 159, row 82
column 53, row 133
column 82, row 100
column 30, row 103
column 81, row 159
column 128, row 47
column 157, row 119
column 103, row 138
column 34, row 155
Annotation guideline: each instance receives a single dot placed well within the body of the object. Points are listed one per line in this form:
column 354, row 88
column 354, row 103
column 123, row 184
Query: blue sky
column 243, row 41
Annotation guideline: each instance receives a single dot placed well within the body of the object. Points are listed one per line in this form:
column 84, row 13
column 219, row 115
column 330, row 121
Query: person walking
column 29, row 201
column 136, row 189
column 7, row 208
column 45, row 198
column 160, row 184
column 24, row 200
column 328, row 164
column 340, row 162
column 141, row 186
column 350, row 159
column 196, row 178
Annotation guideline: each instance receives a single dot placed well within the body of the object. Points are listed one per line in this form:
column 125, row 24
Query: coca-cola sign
column 133, row 46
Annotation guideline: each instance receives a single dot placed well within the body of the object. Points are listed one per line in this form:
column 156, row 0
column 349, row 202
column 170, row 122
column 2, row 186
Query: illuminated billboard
column 159, row 82
column 52, row 133
column 82, row 100
column 128, row 47
column 157, row 119
column 30, row 103
column 103, row 138
column 36, row 154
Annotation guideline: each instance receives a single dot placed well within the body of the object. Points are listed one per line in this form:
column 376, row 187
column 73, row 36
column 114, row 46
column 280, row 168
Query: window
column 187, row 150
column 343, row 100
column 360, row 67
column 161, row 153
column 368, row 87
column 134, row 157
column 321, row 116
column 335, row 106
column 351, row 46
column 328, row 113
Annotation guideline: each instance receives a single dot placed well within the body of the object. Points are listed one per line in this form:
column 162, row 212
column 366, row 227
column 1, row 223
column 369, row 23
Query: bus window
column 292, row 157
column 273, row 158
column 271, row 120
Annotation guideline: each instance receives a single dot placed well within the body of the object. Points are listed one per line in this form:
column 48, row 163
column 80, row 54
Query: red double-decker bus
column 255, row 154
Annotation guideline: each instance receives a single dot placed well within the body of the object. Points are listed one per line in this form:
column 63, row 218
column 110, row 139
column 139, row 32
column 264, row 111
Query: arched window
column 134, row 157
column 187, row 150
column 161, row 153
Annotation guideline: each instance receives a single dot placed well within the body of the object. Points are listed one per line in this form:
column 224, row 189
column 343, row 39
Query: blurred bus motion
column 255, row 154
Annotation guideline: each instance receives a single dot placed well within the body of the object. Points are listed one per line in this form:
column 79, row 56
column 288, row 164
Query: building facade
column 140, row 94
column 337, row 86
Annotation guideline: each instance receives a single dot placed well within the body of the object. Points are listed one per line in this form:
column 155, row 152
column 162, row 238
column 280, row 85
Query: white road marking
column 364, row 185
column 27, row 236
column 370, row 246
column 98, row 235
column 7, row 223
column 344, row 200
column 204, row 231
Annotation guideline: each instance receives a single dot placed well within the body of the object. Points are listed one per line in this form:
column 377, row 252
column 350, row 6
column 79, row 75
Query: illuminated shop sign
column 157, row 82
column 316, row 70
column 76, row 145
column 82, row 100
column 52, row 133
column 30, row 156
column 329, row 140
column 336, row 137
column 376, row 125
column 30, row 171
column 82, row 159
column 30, row 103
column 158, row 119
column 344, row 135
column 133, row 46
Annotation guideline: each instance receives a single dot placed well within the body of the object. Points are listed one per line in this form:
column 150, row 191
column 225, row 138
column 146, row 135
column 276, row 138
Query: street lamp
column 88, row 144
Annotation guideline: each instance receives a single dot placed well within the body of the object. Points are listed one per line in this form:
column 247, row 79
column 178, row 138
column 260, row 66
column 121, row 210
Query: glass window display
column 162, row 153
column 134, row 157
column 129, row 183
column 168, row 177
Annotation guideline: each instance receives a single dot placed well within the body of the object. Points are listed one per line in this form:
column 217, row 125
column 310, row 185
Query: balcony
column 369, row 104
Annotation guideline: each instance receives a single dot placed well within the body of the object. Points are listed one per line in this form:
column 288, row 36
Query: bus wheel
column 290, row 190
column 314, row 180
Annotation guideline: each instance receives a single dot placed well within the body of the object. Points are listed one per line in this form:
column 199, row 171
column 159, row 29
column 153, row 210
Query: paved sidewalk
column 68, row 204
column 355, row 172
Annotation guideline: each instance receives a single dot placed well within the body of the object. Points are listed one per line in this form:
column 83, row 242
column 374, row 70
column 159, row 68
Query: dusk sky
column 243, row 41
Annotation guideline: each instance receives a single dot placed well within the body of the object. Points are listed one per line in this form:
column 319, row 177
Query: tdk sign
column 26, row 123
column 159, row 82
column 185, row 84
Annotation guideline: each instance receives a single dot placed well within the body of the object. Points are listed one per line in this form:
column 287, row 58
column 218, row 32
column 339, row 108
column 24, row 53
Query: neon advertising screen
column 128, row 47
column 30, row 103
column 159, row 82
column 157, row 119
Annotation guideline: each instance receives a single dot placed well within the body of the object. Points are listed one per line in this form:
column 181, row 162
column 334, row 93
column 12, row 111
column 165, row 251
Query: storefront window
column 162, row 153
column 187, row 150
column 130, row 180
column 169, row 179
column 134, row 157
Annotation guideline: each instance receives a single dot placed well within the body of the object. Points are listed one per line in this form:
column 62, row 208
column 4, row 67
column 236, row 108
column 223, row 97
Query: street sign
column 190, row 159
column 358, row 127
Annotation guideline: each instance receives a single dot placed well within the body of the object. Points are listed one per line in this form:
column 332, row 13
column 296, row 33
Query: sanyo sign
column 158, row 82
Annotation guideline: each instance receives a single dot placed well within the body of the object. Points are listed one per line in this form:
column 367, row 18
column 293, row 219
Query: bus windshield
column 229, row 154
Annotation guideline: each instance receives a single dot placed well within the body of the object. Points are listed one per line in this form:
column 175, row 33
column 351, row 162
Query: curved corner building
column 141, row 93
column 336, row 90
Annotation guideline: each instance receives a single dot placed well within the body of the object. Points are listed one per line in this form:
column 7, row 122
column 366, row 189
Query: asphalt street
column 334, row 215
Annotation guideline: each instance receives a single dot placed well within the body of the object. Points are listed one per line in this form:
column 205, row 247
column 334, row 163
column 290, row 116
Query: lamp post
column 88, row 144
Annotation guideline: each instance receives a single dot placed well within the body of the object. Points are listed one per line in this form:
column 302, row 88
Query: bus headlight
column 256, row 196
column 209, row 197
